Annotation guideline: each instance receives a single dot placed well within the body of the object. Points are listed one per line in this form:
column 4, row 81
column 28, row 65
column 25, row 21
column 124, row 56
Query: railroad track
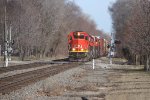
column 20, row 67
column 32, row 65
column 11, row 83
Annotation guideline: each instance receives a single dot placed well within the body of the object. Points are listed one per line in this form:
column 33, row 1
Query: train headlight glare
column 73, row 49
column 81, row 49
column 78, row 34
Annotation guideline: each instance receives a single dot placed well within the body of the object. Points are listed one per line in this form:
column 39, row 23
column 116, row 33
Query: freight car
column 82, row 46
column 103, row 47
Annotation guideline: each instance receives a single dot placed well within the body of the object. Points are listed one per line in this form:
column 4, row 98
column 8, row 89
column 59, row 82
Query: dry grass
column 79, row 76
column 88, row 87
column 57, row 91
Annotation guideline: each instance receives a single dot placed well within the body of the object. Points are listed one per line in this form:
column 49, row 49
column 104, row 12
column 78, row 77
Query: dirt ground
column 105, row 82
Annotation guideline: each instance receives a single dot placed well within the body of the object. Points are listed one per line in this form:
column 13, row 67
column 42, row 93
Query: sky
column 98, row 11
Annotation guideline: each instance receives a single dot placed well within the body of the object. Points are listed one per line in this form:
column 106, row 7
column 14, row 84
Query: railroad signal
column 12, row 42
column 108, row 46
column 117, row 42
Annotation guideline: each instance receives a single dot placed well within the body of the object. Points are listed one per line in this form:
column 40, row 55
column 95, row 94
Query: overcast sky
column 98, row 11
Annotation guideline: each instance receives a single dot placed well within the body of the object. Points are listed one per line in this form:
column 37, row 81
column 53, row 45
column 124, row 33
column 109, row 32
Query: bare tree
column 131, row 25
column 40, row 27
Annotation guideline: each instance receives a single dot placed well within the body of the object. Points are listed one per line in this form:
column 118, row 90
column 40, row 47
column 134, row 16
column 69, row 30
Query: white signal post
column 93, row 57
column 93, row 64
column 111, row 48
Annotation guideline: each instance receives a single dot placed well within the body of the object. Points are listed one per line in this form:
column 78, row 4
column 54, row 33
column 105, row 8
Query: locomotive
column 83, row 46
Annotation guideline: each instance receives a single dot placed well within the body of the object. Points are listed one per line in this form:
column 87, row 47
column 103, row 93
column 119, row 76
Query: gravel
column 102, row 83
column 38, row 91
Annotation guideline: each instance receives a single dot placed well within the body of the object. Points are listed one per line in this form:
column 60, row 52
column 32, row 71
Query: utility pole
column 5, row 38
column 0, row 50
column 10, row 44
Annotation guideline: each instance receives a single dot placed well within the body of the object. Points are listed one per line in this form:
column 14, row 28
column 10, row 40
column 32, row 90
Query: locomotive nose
column 79, row 46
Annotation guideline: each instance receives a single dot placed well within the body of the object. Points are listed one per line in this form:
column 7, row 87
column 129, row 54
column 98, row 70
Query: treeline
column 131, row 23
column 40, row 27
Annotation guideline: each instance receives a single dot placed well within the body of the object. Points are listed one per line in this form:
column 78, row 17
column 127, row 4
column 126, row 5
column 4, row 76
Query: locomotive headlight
column 82, row 49
column 73, row 49
column 78, row 34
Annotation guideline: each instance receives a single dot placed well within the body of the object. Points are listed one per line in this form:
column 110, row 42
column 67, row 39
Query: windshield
column 78, row 36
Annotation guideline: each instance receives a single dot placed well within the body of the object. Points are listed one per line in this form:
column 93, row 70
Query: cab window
column 81, row 36
column 86, row 38
column 70, row 37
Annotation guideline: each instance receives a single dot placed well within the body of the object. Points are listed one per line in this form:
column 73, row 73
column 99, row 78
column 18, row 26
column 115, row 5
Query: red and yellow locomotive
column 83, row 46
column 79, row 45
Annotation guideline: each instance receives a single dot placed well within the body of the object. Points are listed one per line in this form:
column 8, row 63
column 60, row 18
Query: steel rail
column 15, row 82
